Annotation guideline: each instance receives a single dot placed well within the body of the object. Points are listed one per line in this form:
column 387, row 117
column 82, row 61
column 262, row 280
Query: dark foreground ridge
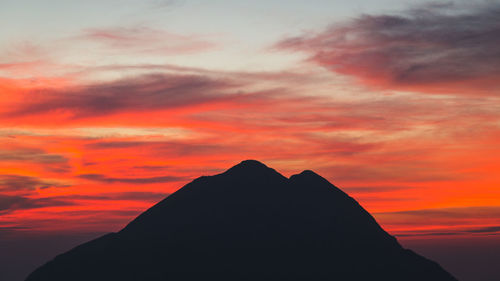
column 248, row 223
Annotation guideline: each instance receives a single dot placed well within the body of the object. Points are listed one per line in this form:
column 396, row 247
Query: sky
column 106, row 107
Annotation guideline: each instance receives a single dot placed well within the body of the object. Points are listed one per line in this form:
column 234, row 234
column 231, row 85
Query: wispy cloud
column 164, row 148
column 116, row 196
column 486, row 230
column 106, row 179
column 25, row 183
column 433, row 48
column 31, row 155
column 143, row 93
column 10, row 203
column 475, row 212
column 147, row 40
column 456, row 220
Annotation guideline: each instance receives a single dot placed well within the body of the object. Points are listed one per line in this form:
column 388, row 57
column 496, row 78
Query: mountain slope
column 248, row 223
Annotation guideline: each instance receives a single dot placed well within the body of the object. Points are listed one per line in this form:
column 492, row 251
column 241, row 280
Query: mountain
column 248, row 223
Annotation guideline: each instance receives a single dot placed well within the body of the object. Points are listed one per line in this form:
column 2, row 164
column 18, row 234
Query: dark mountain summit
column 248, row 223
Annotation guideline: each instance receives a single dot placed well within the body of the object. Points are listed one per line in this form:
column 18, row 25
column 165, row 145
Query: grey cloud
column 129, row 195
column 477, row 212
column 488, row 230
column 144, row 93
column 431, row 48
column 10, row 203
column 370, row 189
column 165, row 147
column 25, row 183
column 32, row 155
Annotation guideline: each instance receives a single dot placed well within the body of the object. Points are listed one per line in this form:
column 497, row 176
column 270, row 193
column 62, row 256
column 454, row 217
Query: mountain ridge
column 248, row 223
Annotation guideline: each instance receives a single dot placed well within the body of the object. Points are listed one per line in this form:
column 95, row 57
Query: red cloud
column 162, row 129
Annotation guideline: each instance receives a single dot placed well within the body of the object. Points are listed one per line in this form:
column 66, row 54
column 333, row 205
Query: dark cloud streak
column 106, row 179
column 137, row 94
column 32, row 155
column 487, row 230
column 10, row 203
column 25, row 183
column 458, row 212
column 165, row 147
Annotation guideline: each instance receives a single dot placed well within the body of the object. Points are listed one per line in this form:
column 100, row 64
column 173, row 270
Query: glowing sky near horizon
column 108, row 106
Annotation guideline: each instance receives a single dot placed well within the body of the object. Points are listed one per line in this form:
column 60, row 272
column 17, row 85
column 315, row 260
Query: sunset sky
column 106, row 107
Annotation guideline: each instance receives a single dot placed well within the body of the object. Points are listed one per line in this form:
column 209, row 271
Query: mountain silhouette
column 248, row 223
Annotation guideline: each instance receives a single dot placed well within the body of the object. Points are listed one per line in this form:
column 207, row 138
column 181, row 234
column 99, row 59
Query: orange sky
column 98, row 126
column 421, row 164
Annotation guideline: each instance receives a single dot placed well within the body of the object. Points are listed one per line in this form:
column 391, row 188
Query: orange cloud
column 88, row 156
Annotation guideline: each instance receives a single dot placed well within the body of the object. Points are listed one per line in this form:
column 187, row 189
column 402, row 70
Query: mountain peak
column 311, row 177
column 251, row 164
column 248, row 223
column 251, row 168
column 309, row 173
